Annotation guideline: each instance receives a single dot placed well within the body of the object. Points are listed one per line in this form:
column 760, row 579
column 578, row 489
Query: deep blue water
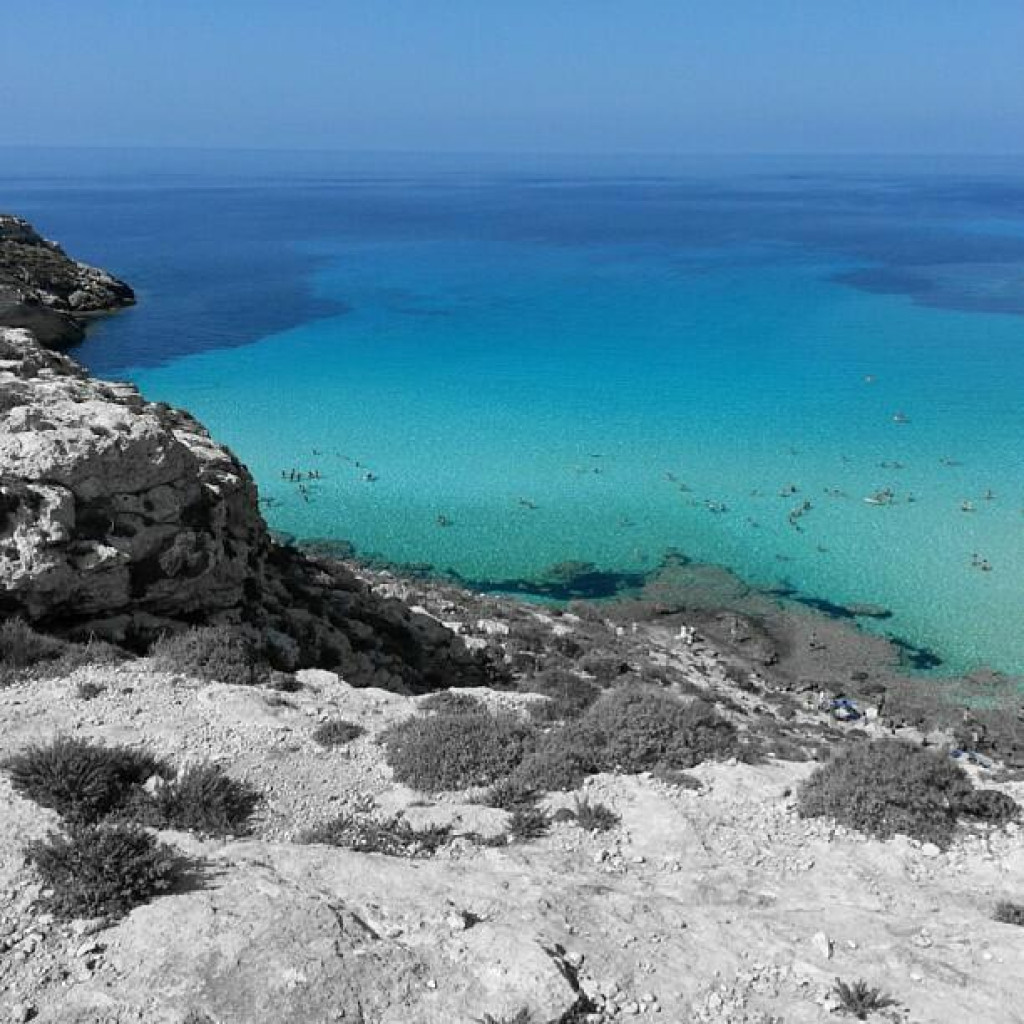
column 594, row 359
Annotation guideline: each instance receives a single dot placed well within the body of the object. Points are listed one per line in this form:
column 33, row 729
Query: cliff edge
column 44, row 290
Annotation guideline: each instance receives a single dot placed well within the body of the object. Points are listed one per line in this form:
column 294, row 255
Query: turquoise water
column 469, row 377
column 539, row 368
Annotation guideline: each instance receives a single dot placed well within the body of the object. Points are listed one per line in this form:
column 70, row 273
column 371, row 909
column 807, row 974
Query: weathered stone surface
column 112, row 505
column 44, row 290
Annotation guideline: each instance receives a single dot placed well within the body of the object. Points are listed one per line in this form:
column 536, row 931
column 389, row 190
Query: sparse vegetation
column 337, row 732
column 1007, row 912
column 522, row 1017
column 212, row 653
column 202, row 798
column 594, row 817
column 859, row 999
column 395, row 837
column 102, row 870
column 25, row 652
column 569, row 695
column 637, row 728
column 528, row 823
column 446, row 751
column 990, row 805
column 888, row 786
column 82, row 781
column 509, row 794
column 558, row 764
column 446, row 702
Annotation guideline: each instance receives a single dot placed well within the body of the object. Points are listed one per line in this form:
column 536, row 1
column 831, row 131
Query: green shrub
column 1007, row 912
column 337, row 732
column 102, row 870
column 522, row 1017
column 594, row 817
column 859, row 999
column 212, row 653
column 508, row 794
column 22, row 647
column 989, row 805
column 559, row 763
column 81, row 781
column 202, row 799
column 888, row 786
column 395, row 837
column 528, row 823
column 638, row 728
column 445, row 751
column 448, row 703
column 570, row 695
column 26, row 652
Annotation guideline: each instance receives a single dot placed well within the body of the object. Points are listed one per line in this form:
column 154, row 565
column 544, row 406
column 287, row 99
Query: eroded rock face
column 122, row 518
column 113, row 506
column 44, row 290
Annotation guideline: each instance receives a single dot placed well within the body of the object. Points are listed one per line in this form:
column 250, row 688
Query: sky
column 608, row 76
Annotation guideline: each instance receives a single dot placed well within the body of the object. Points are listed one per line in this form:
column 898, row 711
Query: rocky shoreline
column 708, row 896
column 44, row 290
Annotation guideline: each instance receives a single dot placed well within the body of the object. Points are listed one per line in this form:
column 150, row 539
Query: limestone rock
column 124, row 519
column 44, row 290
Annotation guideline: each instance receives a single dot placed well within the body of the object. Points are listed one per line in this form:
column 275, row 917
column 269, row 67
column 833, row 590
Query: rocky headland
column 703, row 892
column 44, row 290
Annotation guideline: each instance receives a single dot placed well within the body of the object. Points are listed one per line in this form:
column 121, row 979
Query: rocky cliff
column 122, row 518
column 44, row 290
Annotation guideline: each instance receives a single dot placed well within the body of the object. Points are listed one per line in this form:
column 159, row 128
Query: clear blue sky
column 536, row 75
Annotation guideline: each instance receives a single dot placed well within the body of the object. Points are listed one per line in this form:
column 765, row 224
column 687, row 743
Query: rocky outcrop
column 44, row 290
column 123, row 519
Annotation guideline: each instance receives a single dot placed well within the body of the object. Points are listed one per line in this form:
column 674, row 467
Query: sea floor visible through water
column 810, row 375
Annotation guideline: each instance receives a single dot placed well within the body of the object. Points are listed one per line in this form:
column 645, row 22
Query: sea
column 809, row 370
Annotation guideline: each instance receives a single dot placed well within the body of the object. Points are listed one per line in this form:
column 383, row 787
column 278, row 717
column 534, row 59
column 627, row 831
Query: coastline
column 125, row 519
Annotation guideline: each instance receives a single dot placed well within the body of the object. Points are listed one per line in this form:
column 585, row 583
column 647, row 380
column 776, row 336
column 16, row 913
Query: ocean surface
column 493, row 365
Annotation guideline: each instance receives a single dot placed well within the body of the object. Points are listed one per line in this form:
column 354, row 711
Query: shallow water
column 600, row 364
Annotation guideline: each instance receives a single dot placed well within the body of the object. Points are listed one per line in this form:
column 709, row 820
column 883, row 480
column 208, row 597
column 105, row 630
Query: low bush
column 337, row 732
column 27, row 652
column 989, row 805
column 88, row 690
column 82, row 781
column 594, row 817
column 528, row 823
column 559, row 763
column 217, row 654
column 202, row 798
column 569, row 695
column 859, row 999
column 522, row 1017
column 102, row 871
column 395, row 837
column 22, row 647
column 887, row 786
column 509, row 794
column 636, row 728
column 446, row 751
column 448, row 703
column 1007, row 912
